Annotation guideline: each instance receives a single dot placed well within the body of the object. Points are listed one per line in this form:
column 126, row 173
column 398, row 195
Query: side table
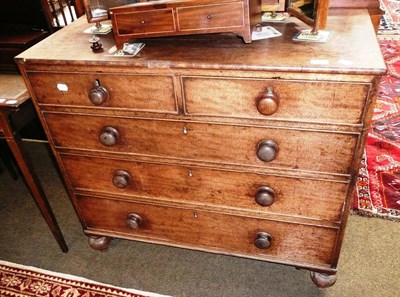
column 13, row 94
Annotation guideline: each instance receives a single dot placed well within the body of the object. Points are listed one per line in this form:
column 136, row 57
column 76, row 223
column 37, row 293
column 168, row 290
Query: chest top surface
column 352, row 49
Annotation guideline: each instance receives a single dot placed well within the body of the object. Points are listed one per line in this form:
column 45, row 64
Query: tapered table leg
column 15, row 144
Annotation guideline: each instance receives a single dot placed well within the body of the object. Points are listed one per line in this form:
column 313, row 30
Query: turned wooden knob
column 268, row 102
column 98, row 94
column 263, row 240
column 267, row 150
column 134, row 221
column 265, row 196
column 121, row 179
column 109, row 136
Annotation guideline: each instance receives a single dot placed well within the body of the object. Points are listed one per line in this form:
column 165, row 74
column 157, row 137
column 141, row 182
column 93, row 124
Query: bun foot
column 99, row 243
column 323, row 280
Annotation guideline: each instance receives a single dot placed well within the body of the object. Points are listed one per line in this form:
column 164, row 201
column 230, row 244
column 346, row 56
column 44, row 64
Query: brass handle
column 134, row 221
column 267, row 150
column 109, row 136
column 121, row 179
column 98, row 94
column 268, row 102
column 263, row 240
column 265, row 196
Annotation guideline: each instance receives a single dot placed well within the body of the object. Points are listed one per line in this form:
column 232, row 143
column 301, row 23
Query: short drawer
column 209, row 230
column 136, row 92
column 210, row 16
column 224, row 189
column 325, row 102
column 144, row 22
column 241, row 145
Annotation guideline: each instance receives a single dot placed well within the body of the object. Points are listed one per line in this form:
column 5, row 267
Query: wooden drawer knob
column 109, row 136
column 267, row 150
column 265, row 196
column 263, row 240
column 134, row 221
column 268, row 102
column 121, row 179
column 98, row 94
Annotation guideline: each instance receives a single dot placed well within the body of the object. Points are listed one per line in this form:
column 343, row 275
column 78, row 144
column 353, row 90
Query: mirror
column 312, row 12
column 97, row 10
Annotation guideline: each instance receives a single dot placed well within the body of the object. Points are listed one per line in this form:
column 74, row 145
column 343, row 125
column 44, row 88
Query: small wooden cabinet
column 166, row 18
column 208, row 143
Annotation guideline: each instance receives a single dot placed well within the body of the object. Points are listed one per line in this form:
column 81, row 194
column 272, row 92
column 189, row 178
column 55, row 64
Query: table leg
column 15, row 144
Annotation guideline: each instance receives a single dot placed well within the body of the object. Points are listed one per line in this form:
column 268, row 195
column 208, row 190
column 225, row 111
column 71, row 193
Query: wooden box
column 166, row 18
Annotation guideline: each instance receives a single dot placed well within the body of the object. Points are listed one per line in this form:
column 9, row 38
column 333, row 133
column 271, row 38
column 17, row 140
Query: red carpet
column 378, row 186
column 20, row 281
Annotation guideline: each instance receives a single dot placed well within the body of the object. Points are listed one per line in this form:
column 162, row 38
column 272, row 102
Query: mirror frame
column 89, row 14
column 321, row 8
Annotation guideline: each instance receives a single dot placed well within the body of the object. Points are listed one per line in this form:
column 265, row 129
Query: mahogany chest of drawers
column 207, row 143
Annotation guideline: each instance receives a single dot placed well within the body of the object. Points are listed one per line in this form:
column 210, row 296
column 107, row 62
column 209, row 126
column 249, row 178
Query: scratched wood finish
column 215, row 51
column 166, row 18
column 301, row 150
column 207, row 187
column 195, row 228
column 189, row 127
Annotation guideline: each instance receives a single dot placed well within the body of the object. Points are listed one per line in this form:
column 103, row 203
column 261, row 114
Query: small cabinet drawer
column 154, row 21
column 211, row 16
column 136, row 92
column 240, row 145
column 218, row 188
column 325, row 102
column 209, row 230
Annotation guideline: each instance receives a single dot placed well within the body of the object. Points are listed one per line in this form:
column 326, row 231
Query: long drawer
column 242, row 145
column 202, row 186
column 209, row 231
column 326, row 102
column 137, row 92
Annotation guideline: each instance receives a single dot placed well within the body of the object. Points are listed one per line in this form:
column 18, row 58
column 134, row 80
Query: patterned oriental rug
column 20, row 281
column 390, row 21
column 378, row 185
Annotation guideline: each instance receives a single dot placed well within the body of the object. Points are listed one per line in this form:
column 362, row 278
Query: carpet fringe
column 369, row 214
